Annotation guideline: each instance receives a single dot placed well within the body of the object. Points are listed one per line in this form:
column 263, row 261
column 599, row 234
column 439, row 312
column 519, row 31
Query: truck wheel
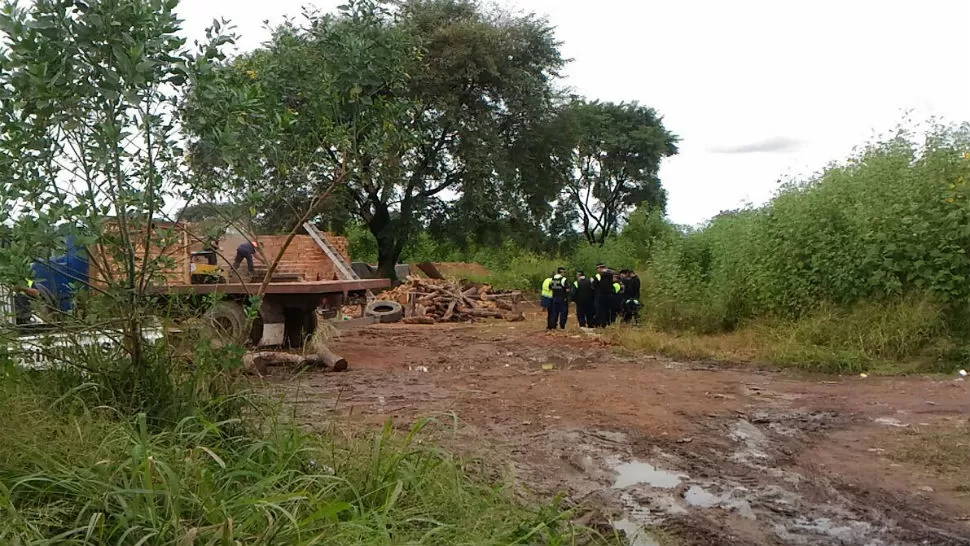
column 228, row 320
column 385, row 311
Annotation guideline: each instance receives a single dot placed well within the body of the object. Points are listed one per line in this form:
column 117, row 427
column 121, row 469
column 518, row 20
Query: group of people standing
column 600, row 300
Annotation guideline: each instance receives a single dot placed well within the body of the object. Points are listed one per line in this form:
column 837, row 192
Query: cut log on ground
column 259, row 362
column 429, row 301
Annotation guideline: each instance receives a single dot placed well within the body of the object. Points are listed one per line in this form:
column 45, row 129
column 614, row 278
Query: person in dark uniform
column 245, row 251
column 212, row 246
column 23, row 296
column 559, row 304
column 583, row 296
column 604, row 295
column 631, row 297
column 617, row 306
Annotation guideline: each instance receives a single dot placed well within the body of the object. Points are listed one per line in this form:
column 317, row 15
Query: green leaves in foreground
column 116, row 483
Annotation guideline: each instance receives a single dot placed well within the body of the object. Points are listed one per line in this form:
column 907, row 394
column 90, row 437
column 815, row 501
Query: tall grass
column 76, row 473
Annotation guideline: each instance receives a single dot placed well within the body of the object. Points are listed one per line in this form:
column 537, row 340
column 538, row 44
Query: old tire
column 228, row 321
column 384, row 311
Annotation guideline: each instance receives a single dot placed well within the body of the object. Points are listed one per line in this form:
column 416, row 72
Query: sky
column 758, row 90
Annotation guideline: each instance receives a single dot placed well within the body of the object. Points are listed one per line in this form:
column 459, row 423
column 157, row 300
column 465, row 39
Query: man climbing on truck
column 246, row 251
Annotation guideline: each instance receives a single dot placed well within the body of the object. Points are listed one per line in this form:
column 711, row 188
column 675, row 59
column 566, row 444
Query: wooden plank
column 338, row 261
column 430, row 270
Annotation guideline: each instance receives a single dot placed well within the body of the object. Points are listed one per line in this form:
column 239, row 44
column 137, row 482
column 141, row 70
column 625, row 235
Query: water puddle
column 699, row 497
column 636, row 535
column 639, row 472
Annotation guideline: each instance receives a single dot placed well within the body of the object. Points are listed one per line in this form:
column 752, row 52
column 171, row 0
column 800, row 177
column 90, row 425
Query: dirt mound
column 458, row 270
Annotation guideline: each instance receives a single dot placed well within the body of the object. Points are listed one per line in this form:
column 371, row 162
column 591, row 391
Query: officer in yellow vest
column 545, row 297
column 559, row 303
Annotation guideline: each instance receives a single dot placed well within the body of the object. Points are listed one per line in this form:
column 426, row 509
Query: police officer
column 559, row 303
column 545, row 297
column 617, row 303
column 631, row 297
column 604, row 295
column 583, row 296
column 21, row 302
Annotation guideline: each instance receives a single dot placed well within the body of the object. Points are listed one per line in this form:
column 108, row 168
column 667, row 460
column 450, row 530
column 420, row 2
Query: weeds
column 942, row 449
column 74, row 471
column 900, row 337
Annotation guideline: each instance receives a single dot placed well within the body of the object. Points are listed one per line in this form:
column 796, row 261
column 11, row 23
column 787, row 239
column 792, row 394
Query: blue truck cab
column 60, row 277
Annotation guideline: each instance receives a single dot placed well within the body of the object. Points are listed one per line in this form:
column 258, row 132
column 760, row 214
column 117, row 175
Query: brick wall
column 303, row 257
column 105, row 266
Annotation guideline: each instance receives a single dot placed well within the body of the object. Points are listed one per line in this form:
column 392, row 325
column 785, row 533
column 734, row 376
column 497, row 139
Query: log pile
column 427, row 301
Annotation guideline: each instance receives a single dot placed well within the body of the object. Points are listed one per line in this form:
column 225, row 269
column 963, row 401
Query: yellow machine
column 204, row 268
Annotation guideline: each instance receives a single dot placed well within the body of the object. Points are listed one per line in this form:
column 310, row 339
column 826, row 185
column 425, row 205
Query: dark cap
column 580, row 273
column 599, row 265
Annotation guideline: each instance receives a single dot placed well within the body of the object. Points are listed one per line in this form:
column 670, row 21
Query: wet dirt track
column 713, row 454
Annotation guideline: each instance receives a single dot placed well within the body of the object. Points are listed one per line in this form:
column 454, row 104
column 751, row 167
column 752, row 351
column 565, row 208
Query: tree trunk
column 388, row 241
column 387, row 258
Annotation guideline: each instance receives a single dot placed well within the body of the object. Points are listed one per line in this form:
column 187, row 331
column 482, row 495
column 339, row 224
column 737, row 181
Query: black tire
column 385, row 311
column 228, row 322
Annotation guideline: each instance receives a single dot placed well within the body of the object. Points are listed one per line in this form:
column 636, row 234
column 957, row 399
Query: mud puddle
column 635, row 534
column 639, row 472
column 747, row 492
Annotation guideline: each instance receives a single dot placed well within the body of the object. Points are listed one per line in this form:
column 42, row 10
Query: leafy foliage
column 612, row 162
column 89, row 96
column 435, row 92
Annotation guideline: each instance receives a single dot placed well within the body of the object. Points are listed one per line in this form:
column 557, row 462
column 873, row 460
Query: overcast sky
column 757, row 89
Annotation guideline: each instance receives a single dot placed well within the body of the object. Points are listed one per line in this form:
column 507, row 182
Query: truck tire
column 384, row 311
column 228, row 321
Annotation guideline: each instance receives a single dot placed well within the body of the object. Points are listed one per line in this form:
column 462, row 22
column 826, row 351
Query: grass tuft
column 899, row 337
column 74, row 474
column 943, row 450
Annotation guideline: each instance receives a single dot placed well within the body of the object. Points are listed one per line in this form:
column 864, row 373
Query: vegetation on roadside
column 862, row 267
column 74, row 472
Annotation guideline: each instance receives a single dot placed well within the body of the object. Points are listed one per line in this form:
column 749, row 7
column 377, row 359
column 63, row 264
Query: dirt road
column 710, row 454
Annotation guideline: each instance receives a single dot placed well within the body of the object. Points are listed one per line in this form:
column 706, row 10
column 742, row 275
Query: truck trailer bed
column 303, row 287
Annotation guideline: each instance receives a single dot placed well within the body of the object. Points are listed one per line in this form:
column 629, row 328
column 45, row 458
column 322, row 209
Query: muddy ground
column 708, row 453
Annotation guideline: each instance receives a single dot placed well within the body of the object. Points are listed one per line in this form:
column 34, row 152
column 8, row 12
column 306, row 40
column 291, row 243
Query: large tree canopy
column 476, row 82
column 610, row 158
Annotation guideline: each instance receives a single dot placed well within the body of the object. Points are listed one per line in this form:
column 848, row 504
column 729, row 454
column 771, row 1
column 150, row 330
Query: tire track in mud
column 713, row 456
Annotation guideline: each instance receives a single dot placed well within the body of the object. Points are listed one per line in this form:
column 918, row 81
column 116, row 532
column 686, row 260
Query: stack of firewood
column 427, row 301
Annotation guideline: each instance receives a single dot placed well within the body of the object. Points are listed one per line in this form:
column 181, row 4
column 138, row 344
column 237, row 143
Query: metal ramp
column 342, row 265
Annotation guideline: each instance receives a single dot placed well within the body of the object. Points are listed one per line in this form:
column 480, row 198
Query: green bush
column 889, row 223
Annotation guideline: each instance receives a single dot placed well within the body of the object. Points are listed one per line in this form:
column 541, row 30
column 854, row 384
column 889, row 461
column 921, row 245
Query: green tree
column 610, row 163
column 89, row 149
column 288, row 128
column 475, row 82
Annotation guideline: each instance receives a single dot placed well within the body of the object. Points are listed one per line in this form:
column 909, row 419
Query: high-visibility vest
column 546, row 290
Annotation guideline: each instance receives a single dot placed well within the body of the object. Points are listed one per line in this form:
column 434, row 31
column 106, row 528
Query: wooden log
column 451, row 310
column 334, row 362
column 485, row 313
column 418, row 320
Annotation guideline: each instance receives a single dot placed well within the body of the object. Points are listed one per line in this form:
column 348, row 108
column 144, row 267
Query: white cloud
column 827, row 74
